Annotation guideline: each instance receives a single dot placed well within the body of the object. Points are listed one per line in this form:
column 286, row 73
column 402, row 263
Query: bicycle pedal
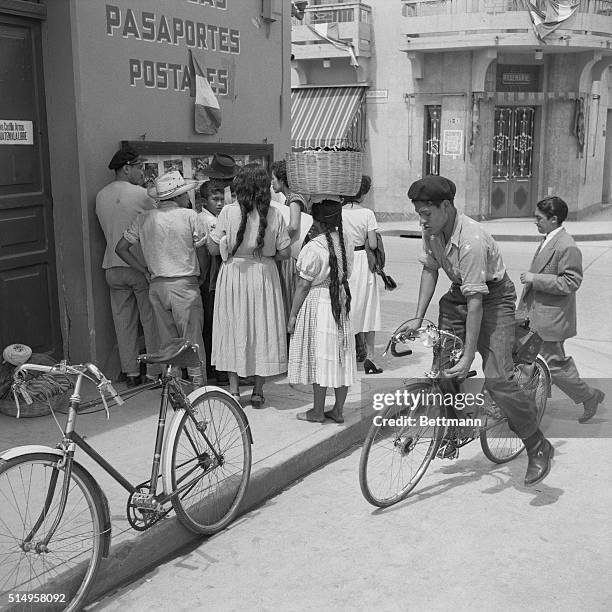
column 448, row 451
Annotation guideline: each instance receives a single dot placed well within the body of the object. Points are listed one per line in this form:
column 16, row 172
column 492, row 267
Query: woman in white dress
column 360, row 227
column 322, row 349
column 249, row 334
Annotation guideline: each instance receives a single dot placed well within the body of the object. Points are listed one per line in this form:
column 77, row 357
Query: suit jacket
column 550, row 300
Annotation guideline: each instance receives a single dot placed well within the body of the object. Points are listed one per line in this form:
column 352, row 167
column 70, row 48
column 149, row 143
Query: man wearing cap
column 117, row 205
column 172, row 238
column 479, row 306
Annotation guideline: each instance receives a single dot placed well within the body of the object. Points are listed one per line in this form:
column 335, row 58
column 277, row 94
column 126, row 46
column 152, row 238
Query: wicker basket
column 320, row 172
column 37, row 408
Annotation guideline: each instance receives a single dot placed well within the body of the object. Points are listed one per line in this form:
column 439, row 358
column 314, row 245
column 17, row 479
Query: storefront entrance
column 28, row 285
column 513, row 153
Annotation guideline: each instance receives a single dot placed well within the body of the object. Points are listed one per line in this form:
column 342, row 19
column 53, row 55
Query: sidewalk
column 284, row 450
column 596, row 227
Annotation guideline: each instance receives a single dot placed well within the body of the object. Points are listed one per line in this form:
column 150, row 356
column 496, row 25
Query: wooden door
column 28, row 283
column 513, row 153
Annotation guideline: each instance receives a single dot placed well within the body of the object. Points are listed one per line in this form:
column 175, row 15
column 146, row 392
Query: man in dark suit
column 549, row 299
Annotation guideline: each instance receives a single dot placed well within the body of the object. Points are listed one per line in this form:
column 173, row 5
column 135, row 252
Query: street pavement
column 286, row 449
column 470, row 539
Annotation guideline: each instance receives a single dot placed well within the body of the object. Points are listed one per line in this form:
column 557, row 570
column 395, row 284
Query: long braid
column 243, row 221
column 262, row 209
column 252, row 186
column 345, row 282
column 334, row 281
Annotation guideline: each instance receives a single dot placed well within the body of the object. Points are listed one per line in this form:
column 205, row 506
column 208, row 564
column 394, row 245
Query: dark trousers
column 208, row 304
column 564, row 373
column 495, row 347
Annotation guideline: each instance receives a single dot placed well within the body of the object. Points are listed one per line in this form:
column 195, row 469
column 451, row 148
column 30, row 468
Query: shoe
column 309, row 416
column 370, row 368
column 331, row 414
column 540, row 461
column 133, row 381
column 591, row 405
column 257, row 400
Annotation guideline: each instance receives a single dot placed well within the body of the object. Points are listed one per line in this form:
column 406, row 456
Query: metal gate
column 513, row 151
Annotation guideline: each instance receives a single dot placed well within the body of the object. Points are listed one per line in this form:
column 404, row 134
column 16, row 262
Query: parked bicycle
column 55, row 523
column 406, row 436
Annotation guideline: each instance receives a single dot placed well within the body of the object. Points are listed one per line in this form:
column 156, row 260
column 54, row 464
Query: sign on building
column 16, row 132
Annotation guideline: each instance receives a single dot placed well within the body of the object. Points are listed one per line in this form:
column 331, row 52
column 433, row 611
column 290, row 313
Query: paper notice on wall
column 16, row 132
column 452, row 142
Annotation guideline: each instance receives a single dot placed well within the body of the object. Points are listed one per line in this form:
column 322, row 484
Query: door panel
column 28, row 290
column 513, row 147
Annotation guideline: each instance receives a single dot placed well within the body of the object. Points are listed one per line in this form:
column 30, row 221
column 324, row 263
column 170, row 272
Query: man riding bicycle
column 479, row 307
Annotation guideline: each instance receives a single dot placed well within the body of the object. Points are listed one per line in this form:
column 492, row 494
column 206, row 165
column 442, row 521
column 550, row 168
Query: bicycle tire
column 499, row 443
column 388, row 450
column 67, row 571
column 211, row 503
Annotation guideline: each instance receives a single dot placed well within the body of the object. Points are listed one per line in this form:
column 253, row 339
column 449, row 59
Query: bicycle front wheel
column 499, row 443
column 401, row 443
column 210, row 472
column 33, row 573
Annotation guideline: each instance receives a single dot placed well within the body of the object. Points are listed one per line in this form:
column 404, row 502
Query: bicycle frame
column 71, row 439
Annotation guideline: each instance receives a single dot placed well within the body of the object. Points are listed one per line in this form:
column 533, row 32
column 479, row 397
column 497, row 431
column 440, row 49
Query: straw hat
column 170, row 185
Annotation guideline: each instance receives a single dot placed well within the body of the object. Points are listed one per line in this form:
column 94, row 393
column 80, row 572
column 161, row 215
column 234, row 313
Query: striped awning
column 327, row 117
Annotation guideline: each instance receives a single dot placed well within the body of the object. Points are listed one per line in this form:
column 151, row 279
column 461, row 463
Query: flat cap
column 122, row 157
column 432, row 187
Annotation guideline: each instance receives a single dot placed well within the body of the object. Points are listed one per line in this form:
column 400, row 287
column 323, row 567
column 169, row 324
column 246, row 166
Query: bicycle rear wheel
column 499, row 443
column 212, row 488
column 396, row 451
column 58, row 576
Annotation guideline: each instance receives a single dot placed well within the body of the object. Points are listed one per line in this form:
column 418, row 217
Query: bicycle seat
column 178, row 352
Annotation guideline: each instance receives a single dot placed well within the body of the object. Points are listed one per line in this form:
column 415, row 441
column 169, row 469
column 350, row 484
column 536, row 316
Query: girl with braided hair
column 249, row 319
column 322, row 349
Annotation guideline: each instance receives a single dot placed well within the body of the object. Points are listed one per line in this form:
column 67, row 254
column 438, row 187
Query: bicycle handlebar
column 63, row 368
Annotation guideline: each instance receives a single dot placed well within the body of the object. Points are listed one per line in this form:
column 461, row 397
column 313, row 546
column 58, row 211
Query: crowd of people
column 263, row 286
column 266, row 287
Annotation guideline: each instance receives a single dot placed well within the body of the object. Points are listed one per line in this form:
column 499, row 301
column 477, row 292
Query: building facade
column 510, row 105
column 78, row 79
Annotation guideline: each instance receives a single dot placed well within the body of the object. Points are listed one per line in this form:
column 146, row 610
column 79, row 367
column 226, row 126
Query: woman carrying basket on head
column 322, row 349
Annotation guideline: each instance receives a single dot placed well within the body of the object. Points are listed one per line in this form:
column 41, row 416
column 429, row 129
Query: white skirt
column 319, row 352
column 365, row 302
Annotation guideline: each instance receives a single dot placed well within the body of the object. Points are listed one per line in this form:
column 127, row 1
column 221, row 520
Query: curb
column 504, row 237
column 130, row 559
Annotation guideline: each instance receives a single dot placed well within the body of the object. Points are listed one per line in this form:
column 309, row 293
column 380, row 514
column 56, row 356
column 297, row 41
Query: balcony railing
column 336, row 13
column 434, row 25
column 426, row 8
column 349, row 22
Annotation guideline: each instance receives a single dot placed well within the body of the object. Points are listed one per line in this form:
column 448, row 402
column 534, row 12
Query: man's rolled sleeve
column 473, row 269
column 132, row 233
column 200, row 230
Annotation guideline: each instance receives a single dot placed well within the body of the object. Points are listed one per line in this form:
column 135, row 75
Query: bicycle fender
column 548, row 374
column 202, row 390
column 33, row 449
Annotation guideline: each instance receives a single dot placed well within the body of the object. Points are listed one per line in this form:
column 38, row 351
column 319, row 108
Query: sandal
column 309, row 416
column 257, row 400
column 331, row 414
